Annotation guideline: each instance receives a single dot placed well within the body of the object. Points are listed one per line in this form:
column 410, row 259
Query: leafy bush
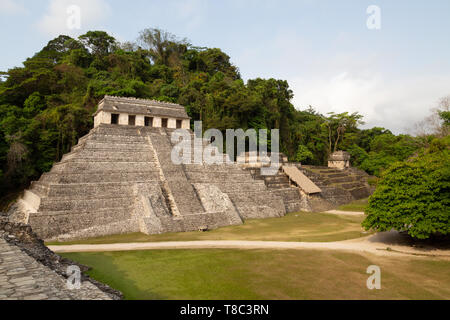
column 303, row 154
column 414, row 195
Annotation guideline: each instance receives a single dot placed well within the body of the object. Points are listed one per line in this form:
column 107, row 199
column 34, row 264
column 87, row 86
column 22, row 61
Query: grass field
column 265, row 274
column 304, row 227
column 358, row 206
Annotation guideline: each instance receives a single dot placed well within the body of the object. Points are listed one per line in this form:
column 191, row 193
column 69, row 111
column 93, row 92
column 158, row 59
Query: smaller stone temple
column 339, row 160
column 253, row 159
column 141, row 113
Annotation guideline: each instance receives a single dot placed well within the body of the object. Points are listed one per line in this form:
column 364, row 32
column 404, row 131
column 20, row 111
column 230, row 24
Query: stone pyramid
column 120, row 179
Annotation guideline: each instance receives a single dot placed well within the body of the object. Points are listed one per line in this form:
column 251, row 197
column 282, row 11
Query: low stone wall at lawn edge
column 23, row 237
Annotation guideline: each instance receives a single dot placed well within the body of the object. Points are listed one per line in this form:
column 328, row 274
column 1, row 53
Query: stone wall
column 338, row 186
column 30, row 271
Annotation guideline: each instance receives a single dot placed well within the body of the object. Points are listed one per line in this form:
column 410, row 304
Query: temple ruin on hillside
column 120, row 179
column 339, row 160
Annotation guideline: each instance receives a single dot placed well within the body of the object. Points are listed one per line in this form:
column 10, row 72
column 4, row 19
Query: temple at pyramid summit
column 119, row 179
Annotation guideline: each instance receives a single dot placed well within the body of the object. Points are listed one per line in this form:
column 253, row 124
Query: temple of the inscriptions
column 119, row 178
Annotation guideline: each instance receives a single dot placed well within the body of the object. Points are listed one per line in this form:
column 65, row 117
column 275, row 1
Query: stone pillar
column 172, row 123
column 123, row 119
column 102, row 117
column 157, row 122
column 140, row 121
column 186, row 124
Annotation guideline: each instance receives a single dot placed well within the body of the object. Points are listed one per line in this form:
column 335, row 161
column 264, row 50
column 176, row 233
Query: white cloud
column 351, row 79
column 12, row 7
column 92, row 14
column 191, row 12
column 396, row 104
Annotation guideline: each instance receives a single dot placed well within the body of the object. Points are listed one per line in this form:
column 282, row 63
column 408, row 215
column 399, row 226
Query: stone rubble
column 30, row 271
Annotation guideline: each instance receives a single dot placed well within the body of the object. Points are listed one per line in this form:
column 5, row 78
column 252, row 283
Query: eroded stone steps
column 337, row 196
column 279, row 186
column 194, row 221
column 250, row 186
column 81, row 159
column 254, row 204
column 288, row 194
column 205, row 176
column 111, row 147
column 275, row 186
column 99, row 166
column 291, row 197
column 256, row 197
column 123, row 211
column 212, row 168
column 131, row 157
column 39, row 188
column 123, row 130
column 99, row 153
column 82, row 190
column 347, row 180
column 85, row 204
column 104, row 176
column 63, row 223
column 277, row 179
column 260, row 211
column 184, row 195
column 117, row 139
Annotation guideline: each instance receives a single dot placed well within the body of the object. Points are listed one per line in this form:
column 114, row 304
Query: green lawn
column 358, row 205
column 265, row 274
column 306, row 227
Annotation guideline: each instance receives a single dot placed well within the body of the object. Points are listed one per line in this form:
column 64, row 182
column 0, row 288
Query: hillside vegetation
column 414, row 196
column 47, row 105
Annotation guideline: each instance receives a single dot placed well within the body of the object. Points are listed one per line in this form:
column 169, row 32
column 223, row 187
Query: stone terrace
column 23, row 278
column 30, row 271
column 338, row 186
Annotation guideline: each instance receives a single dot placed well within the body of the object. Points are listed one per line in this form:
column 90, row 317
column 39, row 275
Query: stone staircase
column 279, row 185
column 90, row 192
column 339, row 186
column 252, row 199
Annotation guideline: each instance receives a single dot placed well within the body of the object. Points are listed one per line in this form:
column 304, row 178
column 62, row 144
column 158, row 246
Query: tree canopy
column 47, row 105
column 414, row 195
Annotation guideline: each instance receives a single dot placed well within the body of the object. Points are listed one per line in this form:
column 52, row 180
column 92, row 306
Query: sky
column 333, row 61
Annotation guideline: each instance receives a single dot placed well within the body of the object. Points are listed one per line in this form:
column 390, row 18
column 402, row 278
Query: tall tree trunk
column 337, row 139
column 330, row 143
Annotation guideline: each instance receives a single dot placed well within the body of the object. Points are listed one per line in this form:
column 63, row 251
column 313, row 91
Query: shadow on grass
column 402, row 238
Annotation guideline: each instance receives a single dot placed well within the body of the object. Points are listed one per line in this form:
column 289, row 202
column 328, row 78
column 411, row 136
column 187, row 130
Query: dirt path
column 348, row 213
column 388, row 243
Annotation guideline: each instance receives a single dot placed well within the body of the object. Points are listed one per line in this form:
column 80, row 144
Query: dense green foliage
column 47, row 105
column 414, row 195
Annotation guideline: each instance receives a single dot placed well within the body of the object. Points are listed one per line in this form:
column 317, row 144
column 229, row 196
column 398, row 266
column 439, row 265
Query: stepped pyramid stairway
column 251, row 198
column 120, row 179
column 279, row 184
column 338, row 186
